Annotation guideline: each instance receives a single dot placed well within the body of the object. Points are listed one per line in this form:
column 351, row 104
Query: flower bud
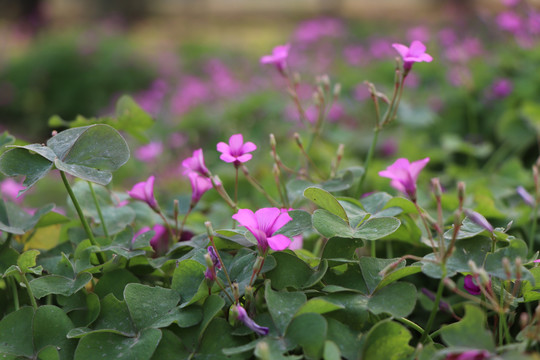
column 461, row 191
column 518, row 264
column 449, row 284
column 337, row 90
column 479, row 220
column 275, row 171
column 436, row 186
column 209, row 229
column 507, row 268
column 273, row 142
column 523, row 320
column 208, row 260
column 296, row 78
column 298, row 140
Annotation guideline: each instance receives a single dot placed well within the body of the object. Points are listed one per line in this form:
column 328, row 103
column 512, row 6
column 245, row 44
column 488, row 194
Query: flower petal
column 247, row 219
column 222, row 147
column 266, row 218
column 227, row 158
column 244, row 158
column 249, row 147
column 417, row 48
column 278, row 242
column 235, row 143
column 401, row 49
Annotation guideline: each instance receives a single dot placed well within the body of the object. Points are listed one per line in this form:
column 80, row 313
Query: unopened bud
column 54, row 133
column 248, row 293
column 325, row 81
column 298, row 140
column 507, row 268
column 263, row 350
column 449, row 284
column 176, row 207
column 337, row 90
column 208, row 260
column 518, row 263
column 340, row 152
column 296, row 78
column 235, row 290
column 275, row 171
column 473, row 267
column 273, row 142
column 484, row 277
column 479, row 220
column 436, row 186
column 523, row 320
column 461, row 191
column 317, row 98
column 258, row 263
column 209, row 228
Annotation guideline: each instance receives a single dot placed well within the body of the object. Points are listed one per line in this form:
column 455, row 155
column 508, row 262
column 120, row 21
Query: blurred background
column 194, row 66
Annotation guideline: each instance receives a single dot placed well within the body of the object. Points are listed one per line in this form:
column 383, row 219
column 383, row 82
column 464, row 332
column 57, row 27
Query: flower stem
column 13, row 286
column 533, row 228
column 29, row 290
column 367, row 162
column 98, row 208
column 435, row 306
column 181, row 229
column 100, row 256
column 414, row 326
column 257, row 186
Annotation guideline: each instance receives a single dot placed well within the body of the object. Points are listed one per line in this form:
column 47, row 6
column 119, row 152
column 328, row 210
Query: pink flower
column 144, row 191
column 297, row 242
column 248, row 322
column 501, row 88
column 149, row 152
column 236, row 151
column 160, row 240
column 470, row 285
column 509, row 21
column 415, row 53
column 537, row 261
column 199, row 185
column 469, row 355
column 263, row 224
column 9, row 189
column 404, row 175
column 195, row 163
column 278, row 57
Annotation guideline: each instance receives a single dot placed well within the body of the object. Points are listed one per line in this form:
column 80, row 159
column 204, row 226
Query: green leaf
column 397, row 299
column 330, row 225
column 371, row 267
column 326, row 201
column 343, row 336
column 387, row 340
column 27, row 260
column 8, row 258
column 211, row 308
column 290, row 271
column 283, row 306
column 15, row 220
column 340, row 249
column 309, row 331
column 16, row 333
column 467, row 230
column 470, row 331
column 19, row 161
column 6, row 139
column 50, row 327
column 331, row 351
column 319, row 306
column 82, row 308
column 218, row 337
column 398, row 274
column 531, row 291
column 188, row 280
column 132, row 118
column 301, row 222
column 114, row 346
column 376, row 202
column 516, row 248
column 114, row 315
column 114, row 282
column 151, row 306
column 56, row 284
column 339, row 183
column 376, row 228
column 170, row 347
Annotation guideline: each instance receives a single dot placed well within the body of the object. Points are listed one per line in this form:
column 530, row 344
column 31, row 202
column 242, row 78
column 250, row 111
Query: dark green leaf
column 19, row 161
column 16, row 333
column 326, row 201
column 309, row 331
column 470, row 331
column 387, row 340
column 151, row 306
column 283, row 306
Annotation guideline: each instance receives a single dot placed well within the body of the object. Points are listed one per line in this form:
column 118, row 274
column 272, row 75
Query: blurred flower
column 9, row 188
column 527, row 198
column 221, row 78
column 355, row 55
column 389, row 147
column 469, row 355
column 297, row 243
column 191, row 92
column 479, row 219
column 509, row 21
column 195, row 163
column 510, row 3
column 533, row 22
column 199, row 185
column 177, row 140
column 380, row 48
column 501, row 88
column 236, row 151
column 313, row 30
column 537, row 261
column 361, row 92
column 263, row 224
column 278, row 57
column 144, row 191
column 404, row 175
column 447, row 37
column 160, row 240
column 420, row 33
column 248, row 322
column 151, row 100
column 415, row 53
column 150, row 151
column 443, row 305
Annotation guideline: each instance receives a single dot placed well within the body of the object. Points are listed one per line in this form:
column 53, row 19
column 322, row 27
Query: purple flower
column 144, row 191
column 250, row 324
column 501, row 88
column 469, row 355
column 479, row 220
column 297, row 243
column 195, row 164
column 470, row 285
column 537, row 261
column 214, row 257
column 415, row 53
column 510, row 2
column 9, row 189
column 199, row 185
column 236, row 151
column 263, row 224
column 279, row 57
column 527, row 198
column 404, row 175
column 149, row 152
column 509, row 21
column 420, row 33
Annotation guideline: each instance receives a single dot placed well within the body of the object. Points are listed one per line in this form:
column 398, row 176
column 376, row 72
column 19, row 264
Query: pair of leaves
column 90, row 153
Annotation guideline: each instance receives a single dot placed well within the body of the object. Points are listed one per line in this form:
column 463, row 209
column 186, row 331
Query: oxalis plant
column 126, row 277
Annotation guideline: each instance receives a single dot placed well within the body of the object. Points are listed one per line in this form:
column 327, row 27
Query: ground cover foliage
column 328, row 217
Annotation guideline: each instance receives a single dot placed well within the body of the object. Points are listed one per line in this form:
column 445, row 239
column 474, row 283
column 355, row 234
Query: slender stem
column 413, row 326
column 13, row 286
column 426, row 225
column 373, row 249
column 100, row 256
column 167, row 225
column 29, row 290
column 181, row 229
column 533, row 228
column 221, row 261
column 435, row 306
column 236, row 184
column 367, row 162
column 257, row 186
column 98, row 208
